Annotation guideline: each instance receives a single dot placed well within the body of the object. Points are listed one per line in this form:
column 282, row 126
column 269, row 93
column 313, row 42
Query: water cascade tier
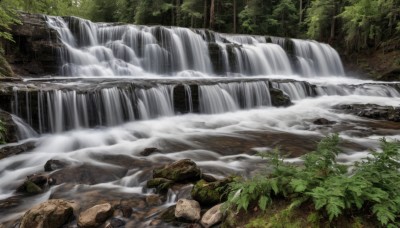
column 128, row 99
column 100, row 49
column 66, row 105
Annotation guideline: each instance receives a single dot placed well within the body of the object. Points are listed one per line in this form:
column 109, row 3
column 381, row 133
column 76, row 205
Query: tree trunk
column 212, row 14
column 234, row 17
column 205, row 14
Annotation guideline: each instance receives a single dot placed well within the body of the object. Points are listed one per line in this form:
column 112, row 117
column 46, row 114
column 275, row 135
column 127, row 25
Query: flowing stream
column 190, row 93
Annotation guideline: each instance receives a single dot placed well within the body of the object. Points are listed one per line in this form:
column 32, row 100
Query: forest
column 362, row 24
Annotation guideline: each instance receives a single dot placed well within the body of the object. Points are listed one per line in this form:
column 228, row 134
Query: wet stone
column 149, row 151
column 52, row 165
column 182, row 170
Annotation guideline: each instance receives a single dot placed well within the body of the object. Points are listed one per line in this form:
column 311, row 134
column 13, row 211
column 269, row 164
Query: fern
column 371, row 186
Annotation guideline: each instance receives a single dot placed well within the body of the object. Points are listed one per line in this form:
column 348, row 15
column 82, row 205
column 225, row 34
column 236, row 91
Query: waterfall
column 100, row 49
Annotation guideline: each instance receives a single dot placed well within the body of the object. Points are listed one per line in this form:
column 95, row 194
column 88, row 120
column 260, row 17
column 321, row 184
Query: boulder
column 182, row 170
column 50, row 214
column 210, row 193
column 323, row 121
column 160, row 184
column 52, row 165
column 212, row 216
column 187, row 209
column 34, row 184
column 279, row 98
column 95, row 216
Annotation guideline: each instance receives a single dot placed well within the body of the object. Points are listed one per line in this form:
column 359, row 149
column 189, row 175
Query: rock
column 323, row 121
column 52, row 165
column 210, row 193
column 10, row 132
column 149, row 151
column 34, row 184
column 87, row 174
column 95, row 216
column 160, row 184
column 16, row 149
column 116, row 223
column 50, row 214
column 187, row 209
column 279, row 98
column 35, row 51
column 392, row 75
column 153, row 200
column 5, row 68
column 208, row 177
column 182, row 170
column 212, row 216
column 372, row 111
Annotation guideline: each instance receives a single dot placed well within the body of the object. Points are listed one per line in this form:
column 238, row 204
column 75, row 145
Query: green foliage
column 371, row 186
column 8, row 16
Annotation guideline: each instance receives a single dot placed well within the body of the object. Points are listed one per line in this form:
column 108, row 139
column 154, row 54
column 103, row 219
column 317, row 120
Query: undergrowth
column 368, row 188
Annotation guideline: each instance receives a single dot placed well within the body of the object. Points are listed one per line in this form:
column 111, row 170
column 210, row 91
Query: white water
column 128, row 50
column 83, row 121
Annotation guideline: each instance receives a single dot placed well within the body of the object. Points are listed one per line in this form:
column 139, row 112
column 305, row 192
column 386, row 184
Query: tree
column 321, row 19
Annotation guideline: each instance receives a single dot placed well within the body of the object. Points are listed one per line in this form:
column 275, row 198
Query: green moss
column 161, row 184
column 210, row 193
column 32, row 188
column 183, row 170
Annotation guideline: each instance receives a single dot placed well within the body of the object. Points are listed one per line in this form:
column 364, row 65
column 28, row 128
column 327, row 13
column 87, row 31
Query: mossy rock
column 161, row 184
column 210, row 193
column 279, row 98
column 182, row 170
column 28, row 187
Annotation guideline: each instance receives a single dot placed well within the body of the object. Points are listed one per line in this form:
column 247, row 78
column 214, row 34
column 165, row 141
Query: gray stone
column 95, row 215
column 188, row 210
column 50, row 214
column 212, row 216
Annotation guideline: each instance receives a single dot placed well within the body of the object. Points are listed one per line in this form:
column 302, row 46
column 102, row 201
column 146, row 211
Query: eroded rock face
column 212, row 216
column 188, row 210
column 10, row 133
column 35, row 51
column 182, row 170
column 50, row 214
column 95, row 216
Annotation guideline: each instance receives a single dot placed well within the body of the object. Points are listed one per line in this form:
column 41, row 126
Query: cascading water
column 127, row 50
column 192, row 94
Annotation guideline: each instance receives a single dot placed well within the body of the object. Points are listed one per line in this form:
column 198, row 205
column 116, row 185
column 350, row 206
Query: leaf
column 299, row 185
column 262, row 202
